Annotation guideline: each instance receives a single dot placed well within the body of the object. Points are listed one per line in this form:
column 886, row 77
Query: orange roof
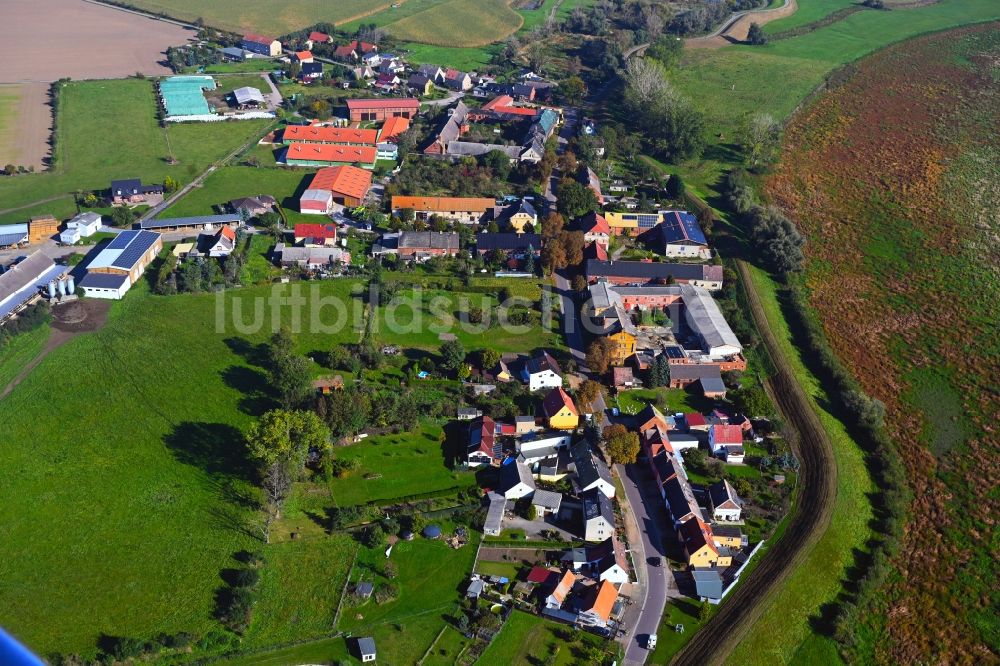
column 317, row 36
column 347, row 135
column 605, row 600
column 393, row 127
column 303, row 55
column 564, row 586
column 411, row 103
column 556, row 400
column 446, row 204
column 347, row 180
column 324, row 152
column 727, row 434
column 227, row 232
column 505, row 104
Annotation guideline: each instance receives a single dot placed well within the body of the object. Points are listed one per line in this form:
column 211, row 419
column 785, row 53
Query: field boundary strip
column 812, row 512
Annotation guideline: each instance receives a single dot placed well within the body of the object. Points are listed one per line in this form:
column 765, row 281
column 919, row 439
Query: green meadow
column 107, row 130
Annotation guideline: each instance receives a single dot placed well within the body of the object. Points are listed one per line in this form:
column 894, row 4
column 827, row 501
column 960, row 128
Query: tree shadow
column 217, row 448
column 454, row 446
column 253, row 384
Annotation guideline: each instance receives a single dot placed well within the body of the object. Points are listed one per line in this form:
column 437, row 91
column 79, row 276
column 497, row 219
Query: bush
column 246, row 578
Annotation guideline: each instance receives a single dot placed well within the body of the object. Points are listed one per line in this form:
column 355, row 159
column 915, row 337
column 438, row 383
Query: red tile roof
column 505, row 104
column 227, row 232
column 393, row 127
column 316, row 36
column 539, row 575
column 592, row 223
column 595, row 250
column 345, row 180
column 564, row 586
column 347, row 135
column 303, row 55
column 727, row 434
column 694, row 419
column 316, row 231
column 258, row 39
column 695, row 534
column 344, row 51
column 324, row 152
column 384, row 103
column 604, row 601
column 556, row 400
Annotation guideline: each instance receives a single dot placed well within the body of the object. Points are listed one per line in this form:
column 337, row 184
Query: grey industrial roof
column 494, row 514
column 712, row 385
column 428, row 239
column 13, row 238
column 548, row 499
column 103, row 281
column 705, row 318
column 652, row 270
column 248, row 94
column 18, row 284
column 198, row 220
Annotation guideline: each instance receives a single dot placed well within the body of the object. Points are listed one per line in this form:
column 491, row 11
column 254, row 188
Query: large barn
column 120, row 265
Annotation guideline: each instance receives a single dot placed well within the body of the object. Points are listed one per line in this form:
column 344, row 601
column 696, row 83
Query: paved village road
column 570, row 322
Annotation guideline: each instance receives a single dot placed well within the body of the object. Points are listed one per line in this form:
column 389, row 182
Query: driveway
column 274, row 97
column 533, row 528
column 445, row 101
column 643, row 618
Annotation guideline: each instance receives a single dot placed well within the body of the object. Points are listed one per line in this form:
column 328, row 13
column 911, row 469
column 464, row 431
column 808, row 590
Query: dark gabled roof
column 680, row 499
column 679, row 227
column 649, row 270
column 482, row 437
column 103, row 281
column 126, row 185
column 312, row 68
column 513, row 473
column 729, row 531
column 541, row 363
column 366, row 645
column 694, row 371
column 722, row 492
column 588, row 468
column 596, row 503
column 508, row 241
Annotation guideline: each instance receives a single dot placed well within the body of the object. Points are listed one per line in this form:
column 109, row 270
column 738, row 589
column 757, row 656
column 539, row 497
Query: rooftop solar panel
column 122, row 240
column 130, row 255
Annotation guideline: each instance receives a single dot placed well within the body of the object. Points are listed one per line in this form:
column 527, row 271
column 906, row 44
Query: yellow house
column 516, row 216
column 623, row 346
column 560, row 410
column 622, row 224
column 697, row 539
column 728, row 540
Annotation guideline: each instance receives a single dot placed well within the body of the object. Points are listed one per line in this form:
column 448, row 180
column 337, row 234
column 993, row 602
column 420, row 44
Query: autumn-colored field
column 895, row 179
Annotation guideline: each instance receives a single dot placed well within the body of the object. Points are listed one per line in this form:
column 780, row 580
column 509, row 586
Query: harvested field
column 25, row 124
column 118, row 44
column 462, row 23
column 895, row 179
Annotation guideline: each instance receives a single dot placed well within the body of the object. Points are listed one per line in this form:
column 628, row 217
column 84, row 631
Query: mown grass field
column 396, row 466
column 263, row 16
column 731, row 83
column 108, row 129
column 18, row 351
column 526, row 639
column 808, row 12
column 230, row 182
column 459, row 23
column 122, row 523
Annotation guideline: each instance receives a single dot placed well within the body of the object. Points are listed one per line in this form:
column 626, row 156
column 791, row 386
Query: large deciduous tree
column 622, row 446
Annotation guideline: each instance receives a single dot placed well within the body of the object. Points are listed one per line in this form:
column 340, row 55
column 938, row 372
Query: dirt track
column 736, row 31
column 817, row 492
column 45, row 40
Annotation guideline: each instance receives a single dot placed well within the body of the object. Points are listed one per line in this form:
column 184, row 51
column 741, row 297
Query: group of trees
column 288, row 371
column 195, row 275
column 773, row 236
column 561, row 248
column 599, row 354
column 35, row 315
column 659, row 372
column 621, row 444
column 670, row 125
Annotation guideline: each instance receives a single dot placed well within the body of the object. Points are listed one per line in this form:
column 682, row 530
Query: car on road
column 654, row 561
column 651, row 642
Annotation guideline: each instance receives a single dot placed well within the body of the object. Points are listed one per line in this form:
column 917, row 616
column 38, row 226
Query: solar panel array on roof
column 121, row 241
column 673, row 351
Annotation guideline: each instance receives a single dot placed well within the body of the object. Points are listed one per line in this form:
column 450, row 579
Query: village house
column 247, row 98
column 559, row 409
column 456, row 80
column 707, row 276
column 726, row 442
column 80, row 226
column 218, row 244
column 706, row 375
column 609, row 319
column 420, row 84
column 534, row 447
column 251, row 207
column 546, row 502
column 678, row 234
column 558, row 595
column 597, row 609
column 310, row 258
column 695, row 536
column 541, row 372
column 392, row 128
column 317, row 37
column 589, row 178
column 515, row 216
column 343, row 136
column 315, row 235
column 591, row 472
column 606, row 561
column 598, row 516
column 594, row 227
column 261, row 45
column 418, row 246
column 365, row 649
column 726, row 504
column 466, row 210
column 453, row 126
column 484, row 447
column 302, row 57
column 516, row 480
column 515, row 245
column 132, row 191
column 311, row 71
column 345, row 185
column 317, row 154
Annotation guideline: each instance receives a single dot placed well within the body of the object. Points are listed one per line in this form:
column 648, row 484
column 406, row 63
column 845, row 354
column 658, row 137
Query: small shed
column 365, row 647
column 468, row 413
column 247, row 97
column 713, row 387
column 708, row 584
column 327, row 385
column 476, row 588
column 432, row 532
column 364, row 589
column 546, row 502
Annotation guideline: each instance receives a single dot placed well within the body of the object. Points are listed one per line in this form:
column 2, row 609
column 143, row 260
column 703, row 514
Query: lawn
column 161, row 458
column 18, row 351
column 107, row 130
column 527, row 639
column 730, row 83
column 261, row 16
column 447, row 648
column 258, row 267
column 417, row 318
column 668, row 640
column 808, row 12
column 461, row 23
column 231, row 182
column 431, row 575
column 677, row 400
column 396, row 466
column 505, row 569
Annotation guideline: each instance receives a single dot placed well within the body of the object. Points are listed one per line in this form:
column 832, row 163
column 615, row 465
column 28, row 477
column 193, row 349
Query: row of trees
column 670, row 125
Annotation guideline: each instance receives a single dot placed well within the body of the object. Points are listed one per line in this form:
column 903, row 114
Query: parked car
column 655, row 561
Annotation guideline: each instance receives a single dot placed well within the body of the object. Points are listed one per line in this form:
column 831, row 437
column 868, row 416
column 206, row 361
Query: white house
column 598, row 516
column 532, row 450
column 600, row 603
column 607, row 561
column 366, row 649
column 726, row 504
column 541, row 372
column 516, row 480
column 69, row 235
column 561, row 591
column 726, row 442
column 87, row 224
column 591, row 473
